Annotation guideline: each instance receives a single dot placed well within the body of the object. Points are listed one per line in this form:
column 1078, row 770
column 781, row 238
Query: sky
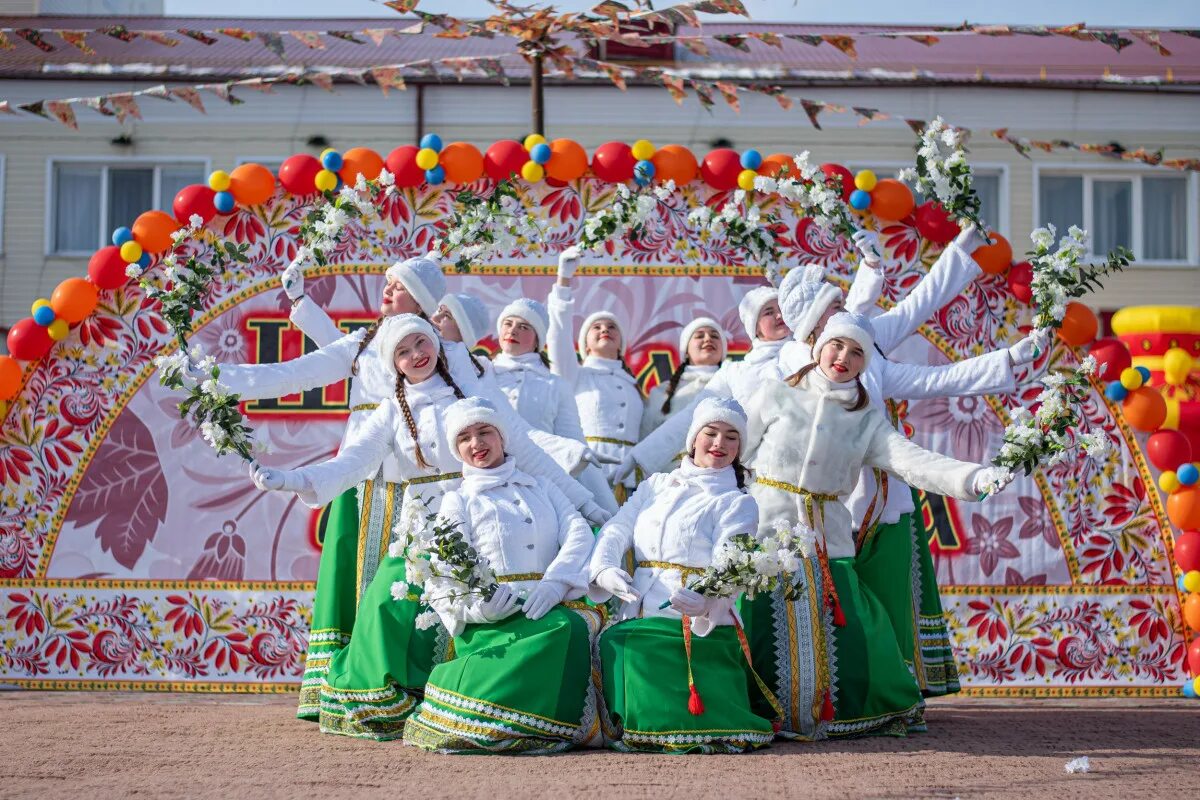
column 1109, row 13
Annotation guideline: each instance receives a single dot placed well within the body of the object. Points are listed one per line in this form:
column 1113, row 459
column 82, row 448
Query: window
column 1149, row 214
column 3, row 188
column 989, row 185
column 89, row 200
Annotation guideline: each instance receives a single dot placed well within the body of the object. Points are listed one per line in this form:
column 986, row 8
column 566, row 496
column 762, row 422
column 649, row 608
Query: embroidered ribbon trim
column 686, row 570
column 364, row 407
column 520, row 576
column 442, row 476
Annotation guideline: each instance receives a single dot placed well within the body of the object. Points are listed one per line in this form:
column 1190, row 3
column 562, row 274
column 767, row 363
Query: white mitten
column 625, row 469
column 688, row 602
column 992, row 480
column 969, row 239
column 1029, row 348
column 545, row 596
column 568, row 262
column 617, row 582
column 594, row 514
column 293, row 280
column 867, row 243
column 277, row 480
column 503, row 604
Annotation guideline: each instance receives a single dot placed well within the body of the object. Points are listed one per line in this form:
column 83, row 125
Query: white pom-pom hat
column 716, row 409
column 471, row 315
column 532, row 312
column 751, row 306
column 394, row 329
column 690, row 329
column 591, row 320
column 848, row 325
column 469, row 411
column 804, row 297
column 423, row 278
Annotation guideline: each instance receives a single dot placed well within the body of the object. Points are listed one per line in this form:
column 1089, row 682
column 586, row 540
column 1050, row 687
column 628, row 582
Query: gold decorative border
column 199, row 687
column 1057, row 589
column 1070, row 691
column 157, row 585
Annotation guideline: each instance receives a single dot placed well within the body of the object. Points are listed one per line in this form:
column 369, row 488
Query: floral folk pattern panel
column 132, row 557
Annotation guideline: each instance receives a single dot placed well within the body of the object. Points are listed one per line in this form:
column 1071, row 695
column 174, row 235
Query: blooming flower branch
column 743, row 226
column 1059, row 276
column 625, row 217
column 810, row 190
column 942, row 172
column 480, row 226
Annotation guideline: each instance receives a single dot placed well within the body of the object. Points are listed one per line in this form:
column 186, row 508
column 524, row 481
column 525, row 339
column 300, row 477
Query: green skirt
column 515, row 686
column 645, row 675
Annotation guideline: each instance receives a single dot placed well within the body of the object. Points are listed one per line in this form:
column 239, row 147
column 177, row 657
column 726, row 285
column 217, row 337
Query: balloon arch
column 132, row 557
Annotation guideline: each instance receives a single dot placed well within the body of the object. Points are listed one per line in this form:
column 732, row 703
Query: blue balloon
column 144, row 261
column 643, row 171
column 121, row 236
column 860, row 199
column 540, row 153
column 1145, row 374
column 223, row 202
column 332, row 161
column 1116, row 392
column 44, row 316
column 1187, row 474
column 436, row 175
column 1189, row 690
column 751, row 159
column 432, row 141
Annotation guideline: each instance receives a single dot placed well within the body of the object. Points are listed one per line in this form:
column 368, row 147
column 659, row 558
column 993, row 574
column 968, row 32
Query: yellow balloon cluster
column 532, row 140
column 326, row 180
column 643, row 150
column 865, row 180
column 1131, row 379
column 1177, row 365
column 219, row 181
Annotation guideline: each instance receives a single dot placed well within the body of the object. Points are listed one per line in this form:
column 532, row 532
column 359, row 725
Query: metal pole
column 537, row 98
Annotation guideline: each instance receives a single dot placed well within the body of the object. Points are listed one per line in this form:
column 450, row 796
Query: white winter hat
column 592, row 319
column 471, row 315
column 716, row 409
column 531, row 311
column 752, row 305
column 804, row 297
column 393, row 329
column 848, row 325
column 685, row 335
column 470, row 411
column 424, row 280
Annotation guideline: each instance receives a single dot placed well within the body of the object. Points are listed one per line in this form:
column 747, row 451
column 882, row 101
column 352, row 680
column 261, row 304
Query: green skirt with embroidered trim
column 516, row 686
column 645, row 674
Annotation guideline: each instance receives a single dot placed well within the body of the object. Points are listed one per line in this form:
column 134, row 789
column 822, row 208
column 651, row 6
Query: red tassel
column 695, row 704
column 839, row 619
column 776, row 725
column 827, row 707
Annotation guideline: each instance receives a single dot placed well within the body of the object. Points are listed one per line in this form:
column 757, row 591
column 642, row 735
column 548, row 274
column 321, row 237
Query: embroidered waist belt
column 684, row 568
column 607, row 440
column 364, row 407
column 520, row 576
column 441, row 476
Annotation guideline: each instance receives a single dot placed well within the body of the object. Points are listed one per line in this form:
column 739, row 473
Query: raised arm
column 921, row 468
column 357, row 460
column 328, row 365
column 656, row 451
column 560, row 344
column 314, row 322
column 990, row 373
column 865, row 290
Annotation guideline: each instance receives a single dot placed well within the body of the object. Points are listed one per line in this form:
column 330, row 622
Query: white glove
column 594, row 514
column 867, row 243
column 545, row 596
column 617, row 582
column 689, row 603
column 568, row 262
column 277, row 480
column 625, row 469
column 970, row 239
column 1029, row 348
column 503, row 604
column 992, row 480
column 293, row 280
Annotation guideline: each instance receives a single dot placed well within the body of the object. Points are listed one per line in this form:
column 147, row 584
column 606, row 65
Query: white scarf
column 529, row 361
column 611, row 365
column 477, row 480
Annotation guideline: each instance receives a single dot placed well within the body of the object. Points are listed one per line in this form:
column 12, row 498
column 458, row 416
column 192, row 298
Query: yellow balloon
column 533, row 139
column 643, row 150
column 427, row 158
column 326, row 181
column 1168, row 481
column 746, row 179
column 532, row 172
column 131, row 251
column 1191, row 581
column 865, row 180
column 3, row 408
column 219, row 181
column 1196, row 685
column 41, row 301
column 58, row 330
column 1131, row 379
column 1176, row 366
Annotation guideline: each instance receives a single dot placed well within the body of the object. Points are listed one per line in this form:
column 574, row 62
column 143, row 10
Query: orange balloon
column 996, row 258
column 1145, row 409
column 773, row 164
column 1079, row 325
column 1191, row 611
column 568, row 160
column 360, row 161
column 1183, row 509
column 10, row 378
column 153, row 230
column 462, row 161
column 892, row 200
column 73, row 300
column 251, row 184
column 674, row 162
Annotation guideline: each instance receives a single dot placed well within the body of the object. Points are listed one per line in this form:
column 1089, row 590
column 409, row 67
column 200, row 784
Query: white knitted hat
column 804, row 296
column 393, row 329
column 424, row 280
column 848, row 325
column 531, row 311
column 716, row 409
column 467, row 412
column 685, row 335
column 591, row 320
column 752, row 305
column 471, row 315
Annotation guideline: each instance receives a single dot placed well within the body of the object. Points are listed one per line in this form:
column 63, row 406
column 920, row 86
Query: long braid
column 674, row 384
column 372, row 329
column 860, row 402
column 402, row 399
column 444, row 372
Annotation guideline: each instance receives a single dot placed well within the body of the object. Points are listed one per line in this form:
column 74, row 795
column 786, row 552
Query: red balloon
column 1020, row 278
column 613, row 162
column 106, row 268
column 504, row 159
column 194, row 199
column 934, row 224
column 28, row 341
column 402, row 163
column 298, row 173
column 1194, row 656
column 835, row 171
column 1187, row 550
column 720, row 168
column 1168, row 449
column 1113, row 357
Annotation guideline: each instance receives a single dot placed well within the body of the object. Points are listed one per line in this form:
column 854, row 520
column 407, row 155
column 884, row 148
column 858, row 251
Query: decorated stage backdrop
column 132, row 557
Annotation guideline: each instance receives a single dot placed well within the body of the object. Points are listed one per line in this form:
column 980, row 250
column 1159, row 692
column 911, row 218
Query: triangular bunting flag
column 119, row 32
column 808, row 38
column 345, row 36
column 730, row 93
column 1152, row 39
column 199, row 36
column 37, row 107
column 869, row 114
column 925, row 39
column 1112, row 39
column 6, row 108
column 5, row 44
column 770, row 39
column 918, row 126
column 78, row 40
column 813, row 109
column 190, row 96
column 402, row 6
column 695, row 44
column 843, row 43
column 704, row 93
column 63, row 113
column 675, row 87
column 310, row 39
column 264, row 85
column 322, row 79
column 223, row 91
column 493, row 68
column 125, row 106
column 160, row 38
column 99, row 105
column 615, row 74
column 736, row 42
column 272, row 41
column 237, row 33
column 160, row 91
column 377, row 35
column 35, row 38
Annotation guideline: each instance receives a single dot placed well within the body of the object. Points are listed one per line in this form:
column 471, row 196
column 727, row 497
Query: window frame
column 3, row 193
column 992, row 167
column 1123, row 171
column 105, row 163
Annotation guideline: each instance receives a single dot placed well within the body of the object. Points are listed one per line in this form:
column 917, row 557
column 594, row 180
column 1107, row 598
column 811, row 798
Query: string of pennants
column 389, row 77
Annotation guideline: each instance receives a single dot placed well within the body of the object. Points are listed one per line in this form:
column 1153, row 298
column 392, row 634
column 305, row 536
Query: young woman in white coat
column 808, row 440
column 702, row 346
column 676, row 524
column 520, row 677
column 462, row 318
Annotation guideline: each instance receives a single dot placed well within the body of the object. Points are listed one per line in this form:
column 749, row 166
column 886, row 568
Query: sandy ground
column 204, row 746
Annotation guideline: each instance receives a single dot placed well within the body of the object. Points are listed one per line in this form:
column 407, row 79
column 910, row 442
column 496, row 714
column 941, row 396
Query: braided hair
column 372, row 329
column 859, row 404
column 676, row 376
column 402, row 399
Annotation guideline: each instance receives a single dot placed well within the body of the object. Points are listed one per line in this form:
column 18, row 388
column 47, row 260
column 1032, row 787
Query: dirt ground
column 229, row 747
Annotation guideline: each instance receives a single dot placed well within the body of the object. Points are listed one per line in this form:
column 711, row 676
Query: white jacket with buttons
column 543, row 399
column 520, row 528
column 691, row 383
column 683, row 517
